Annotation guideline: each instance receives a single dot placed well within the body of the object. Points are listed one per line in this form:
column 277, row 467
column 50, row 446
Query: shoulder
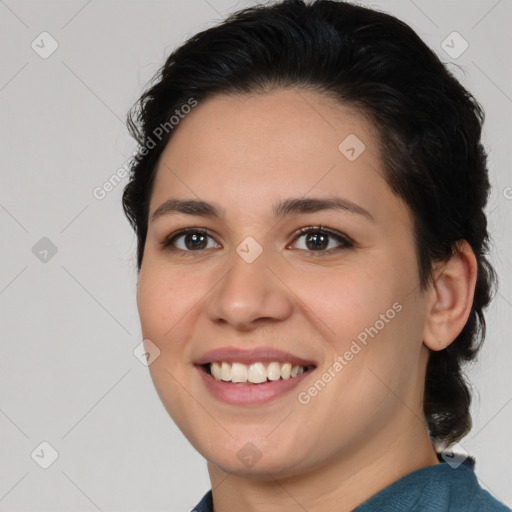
column 206, row 503
column 460, row 490
column 437, row 488
column 472, row 497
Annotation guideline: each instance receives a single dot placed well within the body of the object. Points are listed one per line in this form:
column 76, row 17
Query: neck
column 342, row 484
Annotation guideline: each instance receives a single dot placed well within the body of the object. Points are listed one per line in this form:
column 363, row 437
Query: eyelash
column 344, row 240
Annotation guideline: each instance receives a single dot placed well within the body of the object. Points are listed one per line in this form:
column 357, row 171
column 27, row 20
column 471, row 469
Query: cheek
column 162, row 307
column 372, row 321
column 153, row 312
column 343, row 301
column 164, row 297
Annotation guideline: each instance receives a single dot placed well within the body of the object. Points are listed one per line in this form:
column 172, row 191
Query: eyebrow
column 282, row 209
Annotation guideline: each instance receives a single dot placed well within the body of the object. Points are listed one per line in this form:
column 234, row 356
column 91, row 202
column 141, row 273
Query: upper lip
column 256, row 355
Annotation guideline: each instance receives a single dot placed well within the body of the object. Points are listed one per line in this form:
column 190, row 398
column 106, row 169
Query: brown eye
column 318, row 239
column 188, row 240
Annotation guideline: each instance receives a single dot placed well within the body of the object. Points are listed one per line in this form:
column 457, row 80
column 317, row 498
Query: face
column 245, row 288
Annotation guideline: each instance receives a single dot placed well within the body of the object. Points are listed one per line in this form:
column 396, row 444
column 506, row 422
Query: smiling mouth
column 255, row 373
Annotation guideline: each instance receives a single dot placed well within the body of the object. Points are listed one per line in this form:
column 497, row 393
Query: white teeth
column 225, row 371
column 256, row 373
column 274, row 371
column 238, row 372
column 216, row 371
column 286, row 370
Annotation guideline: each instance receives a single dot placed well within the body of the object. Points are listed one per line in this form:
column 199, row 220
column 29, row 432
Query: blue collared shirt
column 437, row 488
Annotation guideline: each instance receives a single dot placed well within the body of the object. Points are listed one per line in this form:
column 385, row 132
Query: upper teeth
column 255, row 373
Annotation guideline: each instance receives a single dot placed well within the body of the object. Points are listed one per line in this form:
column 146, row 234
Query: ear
column 451, row 297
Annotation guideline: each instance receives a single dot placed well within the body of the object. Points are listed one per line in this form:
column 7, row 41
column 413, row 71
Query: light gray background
column 69, row 326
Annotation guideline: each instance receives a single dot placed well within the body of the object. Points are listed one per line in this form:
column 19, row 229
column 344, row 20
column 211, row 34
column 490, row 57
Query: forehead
column 284, row 125
column 287, row 142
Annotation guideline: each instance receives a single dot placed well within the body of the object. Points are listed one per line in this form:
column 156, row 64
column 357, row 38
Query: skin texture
column 366, row 428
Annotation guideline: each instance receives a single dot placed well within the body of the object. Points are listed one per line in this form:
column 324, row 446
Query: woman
column 309, row 200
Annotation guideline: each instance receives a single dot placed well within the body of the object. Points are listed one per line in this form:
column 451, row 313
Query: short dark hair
column 429, row 128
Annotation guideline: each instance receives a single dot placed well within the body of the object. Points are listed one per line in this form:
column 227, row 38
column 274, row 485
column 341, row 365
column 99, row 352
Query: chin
column 257, row 458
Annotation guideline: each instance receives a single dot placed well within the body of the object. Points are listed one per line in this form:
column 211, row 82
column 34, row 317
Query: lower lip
column 250, row 394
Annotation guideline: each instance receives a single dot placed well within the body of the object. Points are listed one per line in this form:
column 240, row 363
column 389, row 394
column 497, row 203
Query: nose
column 250, row 294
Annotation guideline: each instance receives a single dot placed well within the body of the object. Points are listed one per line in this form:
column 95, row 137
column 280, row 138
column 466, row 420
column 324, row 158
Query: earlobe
column 452, row 293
